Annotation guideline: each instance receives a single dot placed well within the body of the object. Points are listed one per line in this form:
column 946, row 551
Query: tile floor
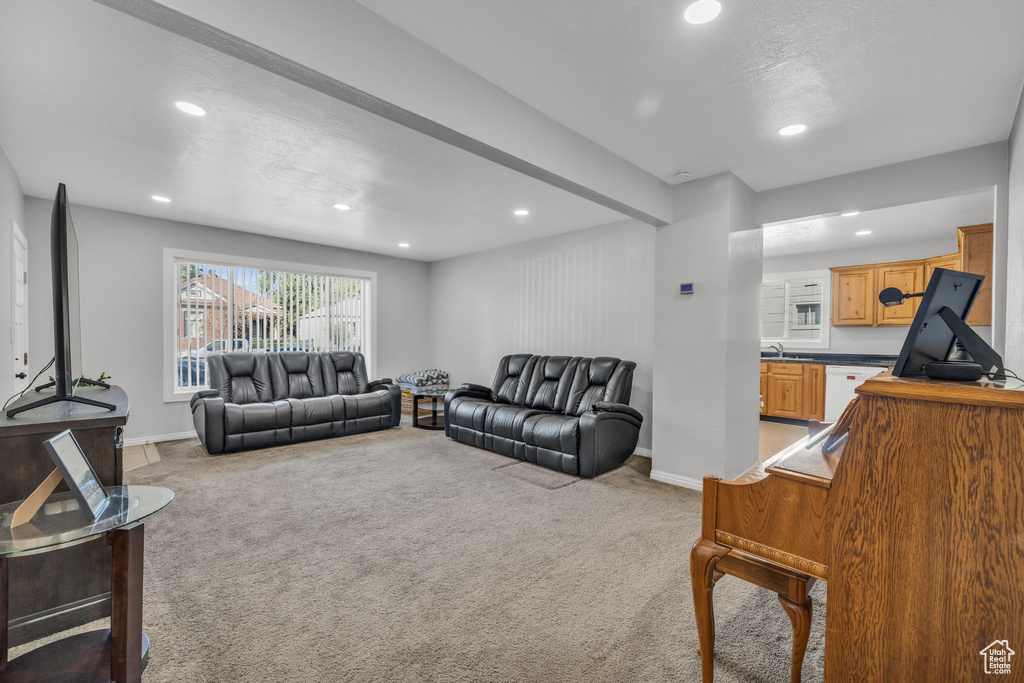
column 139, row 456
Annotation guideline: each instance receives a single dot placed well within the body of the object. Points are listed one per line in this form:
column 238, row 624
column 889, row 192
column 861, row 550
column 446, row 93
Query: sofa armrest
column 608, row 437
column 208, row 419
column 609, row 407
column 477, row 389
column 379, row 383
column 205, row 393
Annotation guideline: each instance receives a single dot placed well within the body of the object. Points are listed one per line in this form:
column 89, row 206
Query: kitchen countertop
column 868, row 360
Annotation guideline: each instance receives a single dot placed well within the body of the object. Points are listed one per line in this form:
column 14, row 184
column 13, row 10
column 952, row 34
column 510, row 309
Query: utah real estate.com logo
column 997, row 657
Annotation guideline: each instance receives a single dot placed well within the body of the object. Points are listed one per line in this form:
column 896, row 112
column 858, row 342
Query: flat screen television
column 67, row 317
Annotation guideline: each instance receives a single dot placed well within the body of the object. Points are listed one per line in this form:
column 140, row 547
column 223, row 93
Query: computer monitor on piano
column 938, row 324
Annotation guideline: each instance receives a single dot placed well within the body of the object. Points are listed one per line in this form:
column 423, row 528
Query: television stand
column 50, row 400
column 82, row 381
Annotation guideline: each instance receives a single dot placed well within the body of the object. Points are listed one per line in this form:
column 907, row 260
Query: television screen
column 67, row 317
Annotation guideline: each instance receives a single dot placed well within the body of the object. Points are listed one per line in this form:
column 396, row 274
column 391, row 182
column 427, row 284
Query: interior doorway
column 19, row 306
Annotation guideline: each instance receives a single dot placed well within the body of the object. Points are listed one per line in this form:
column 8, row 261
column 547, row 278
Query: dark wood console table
column 44, row 596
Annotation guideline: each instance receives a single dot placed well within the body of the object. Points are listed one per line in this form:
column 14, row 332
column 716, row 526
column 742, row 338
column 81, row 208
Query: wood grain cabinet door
column 852, row 296
column 976, row 255
column 907, row 277
column 765, row 408
column 950, row 261
column 786, row 395
column 814, row 392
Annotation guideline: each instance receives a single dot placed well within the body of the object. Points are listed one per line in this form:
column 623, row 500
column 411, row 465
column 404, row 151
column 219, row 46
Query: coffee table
column 428, row 399
column 120, row 653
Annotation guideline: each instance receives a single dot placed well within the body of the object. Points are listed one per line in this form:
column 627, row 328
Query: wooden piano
column 915, row 520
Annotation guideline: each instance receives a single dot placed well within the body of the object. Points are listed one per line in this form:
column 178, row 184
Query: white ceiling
column 878, row 81
column 88, row 98
column 931, row 220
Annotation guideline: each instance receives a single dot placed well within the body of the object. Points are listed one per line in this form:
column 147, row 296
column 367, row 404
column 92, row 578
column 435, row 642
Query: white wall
column 585, row 293
column 706, row 343
column 944, row 175
column 879, row 340
column 11, row 209
column 1014, row 357
column 121, row 257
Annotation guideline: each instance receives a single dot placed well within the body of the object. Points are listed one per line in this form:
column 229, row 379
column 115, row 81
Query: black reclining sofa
column 257, row 400
column 569, row 414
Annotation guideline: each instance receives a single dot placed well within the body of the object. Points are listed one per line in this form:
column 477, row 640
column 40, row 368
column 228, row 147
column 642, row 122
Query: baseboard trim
column 644, row 452
column 676, row 480
column 143, row 440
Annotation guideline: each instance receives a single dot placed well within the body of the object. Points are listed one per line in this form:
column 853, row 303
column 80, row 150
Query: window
column 219, row 307
column 795, row 309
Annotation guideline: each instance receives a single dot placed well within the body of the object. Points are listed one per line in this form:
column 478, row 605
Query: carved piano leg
column 702, row 578
column 800, row 617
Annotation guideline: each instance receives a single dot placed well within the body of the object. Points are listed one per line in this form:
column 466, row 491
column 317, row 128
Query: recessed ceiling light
column 850, row 213
column 863, row 232
column 794, row 129
column 403, row 245
column 342, row 207
column 158, row 198
column 521, row 212
column 190, row 109
column 702, row 11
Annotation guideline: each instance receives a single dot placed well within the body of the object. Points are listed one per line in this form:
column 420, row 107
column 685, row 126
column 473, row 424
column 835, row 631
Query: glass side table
column 60, row 523
column 428, row 399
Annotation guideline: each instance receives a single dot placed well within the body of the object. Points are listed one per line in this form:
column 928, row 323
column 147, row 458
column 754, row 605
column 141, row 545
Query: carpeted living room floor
column 403, row 556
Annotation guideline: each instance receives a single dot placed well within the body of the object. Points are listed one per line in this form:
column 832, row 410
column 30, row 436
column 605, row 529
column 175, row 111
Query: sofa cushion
column 468, row 412
column 314, row 410
column 256, row 417
column 296, row 374
column 507, row 421
column 344, row 372
column 512, row 380
column 550, row 382
column 240, row 378
column 553, row 431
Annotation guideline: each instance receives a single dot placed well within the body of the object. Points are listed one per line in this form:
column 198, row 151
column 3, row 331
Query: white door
column 19, row 306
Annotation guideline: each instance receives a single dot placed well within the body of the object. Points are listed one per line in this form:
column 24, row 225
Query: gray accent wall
column 585, row 293
column 122, row 294
column 11, row 209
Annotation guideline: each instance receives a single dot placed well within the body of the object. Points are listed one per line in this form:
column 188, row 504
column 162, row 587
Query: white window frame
column 826, row 308
column 171, row 296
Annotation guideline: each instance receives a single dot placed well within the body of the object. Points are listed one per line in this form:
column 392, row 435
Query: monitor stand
column 977, row 348
column 50, row 400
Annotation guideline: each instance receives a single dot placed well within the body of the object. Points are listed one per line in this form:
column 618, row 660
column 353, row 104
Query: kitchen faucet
column 777, row 347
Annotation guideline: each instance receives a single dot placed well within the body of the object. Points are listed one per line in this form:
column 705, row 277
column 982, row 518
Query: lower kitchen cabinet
column 793, row 390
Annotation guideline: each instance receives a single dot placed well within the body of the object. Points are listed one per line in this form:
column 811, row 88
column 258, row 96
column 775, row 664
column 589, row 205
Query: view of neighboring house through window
column 224, row 308
column 794, row 309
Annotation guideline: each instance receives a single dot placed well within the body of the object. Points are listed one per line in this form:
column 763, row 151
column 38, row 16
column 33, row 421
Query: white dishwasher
column 840, row 382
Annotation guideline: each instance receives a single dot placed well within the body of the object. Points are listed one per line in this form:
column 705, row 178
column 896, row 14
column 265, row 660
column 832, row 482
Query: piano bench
column 710, row 561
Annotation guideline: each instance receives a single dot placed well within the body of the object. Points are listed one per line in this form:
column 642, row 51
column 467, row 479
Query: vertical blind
column 231, row 308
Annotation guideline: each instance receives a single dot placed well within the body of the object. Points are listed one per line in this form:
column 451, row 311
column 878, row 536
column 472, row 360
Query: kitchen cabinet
column 949, row 261
column 793, row 390
column 908, row 277
column 814, row 391
column 976, row 255
column 855, row 288
column 853, row 292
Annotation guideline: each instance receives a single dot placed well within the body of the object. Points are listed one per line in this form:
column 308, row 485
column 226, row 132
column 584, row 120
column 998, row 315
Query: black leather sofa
column 569, row 414
column 257, row 400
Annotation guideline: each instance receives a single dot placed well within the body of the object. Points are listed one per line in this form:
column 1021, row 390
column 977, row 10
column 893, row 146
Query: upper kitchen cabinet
column 976, row 255
column 855, row 288
column 853, row 294
column 907, row 276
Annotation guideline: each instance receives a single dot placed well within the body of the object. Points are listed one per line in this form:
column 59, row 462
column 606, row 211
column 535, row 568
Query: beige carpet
column 403, row 556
